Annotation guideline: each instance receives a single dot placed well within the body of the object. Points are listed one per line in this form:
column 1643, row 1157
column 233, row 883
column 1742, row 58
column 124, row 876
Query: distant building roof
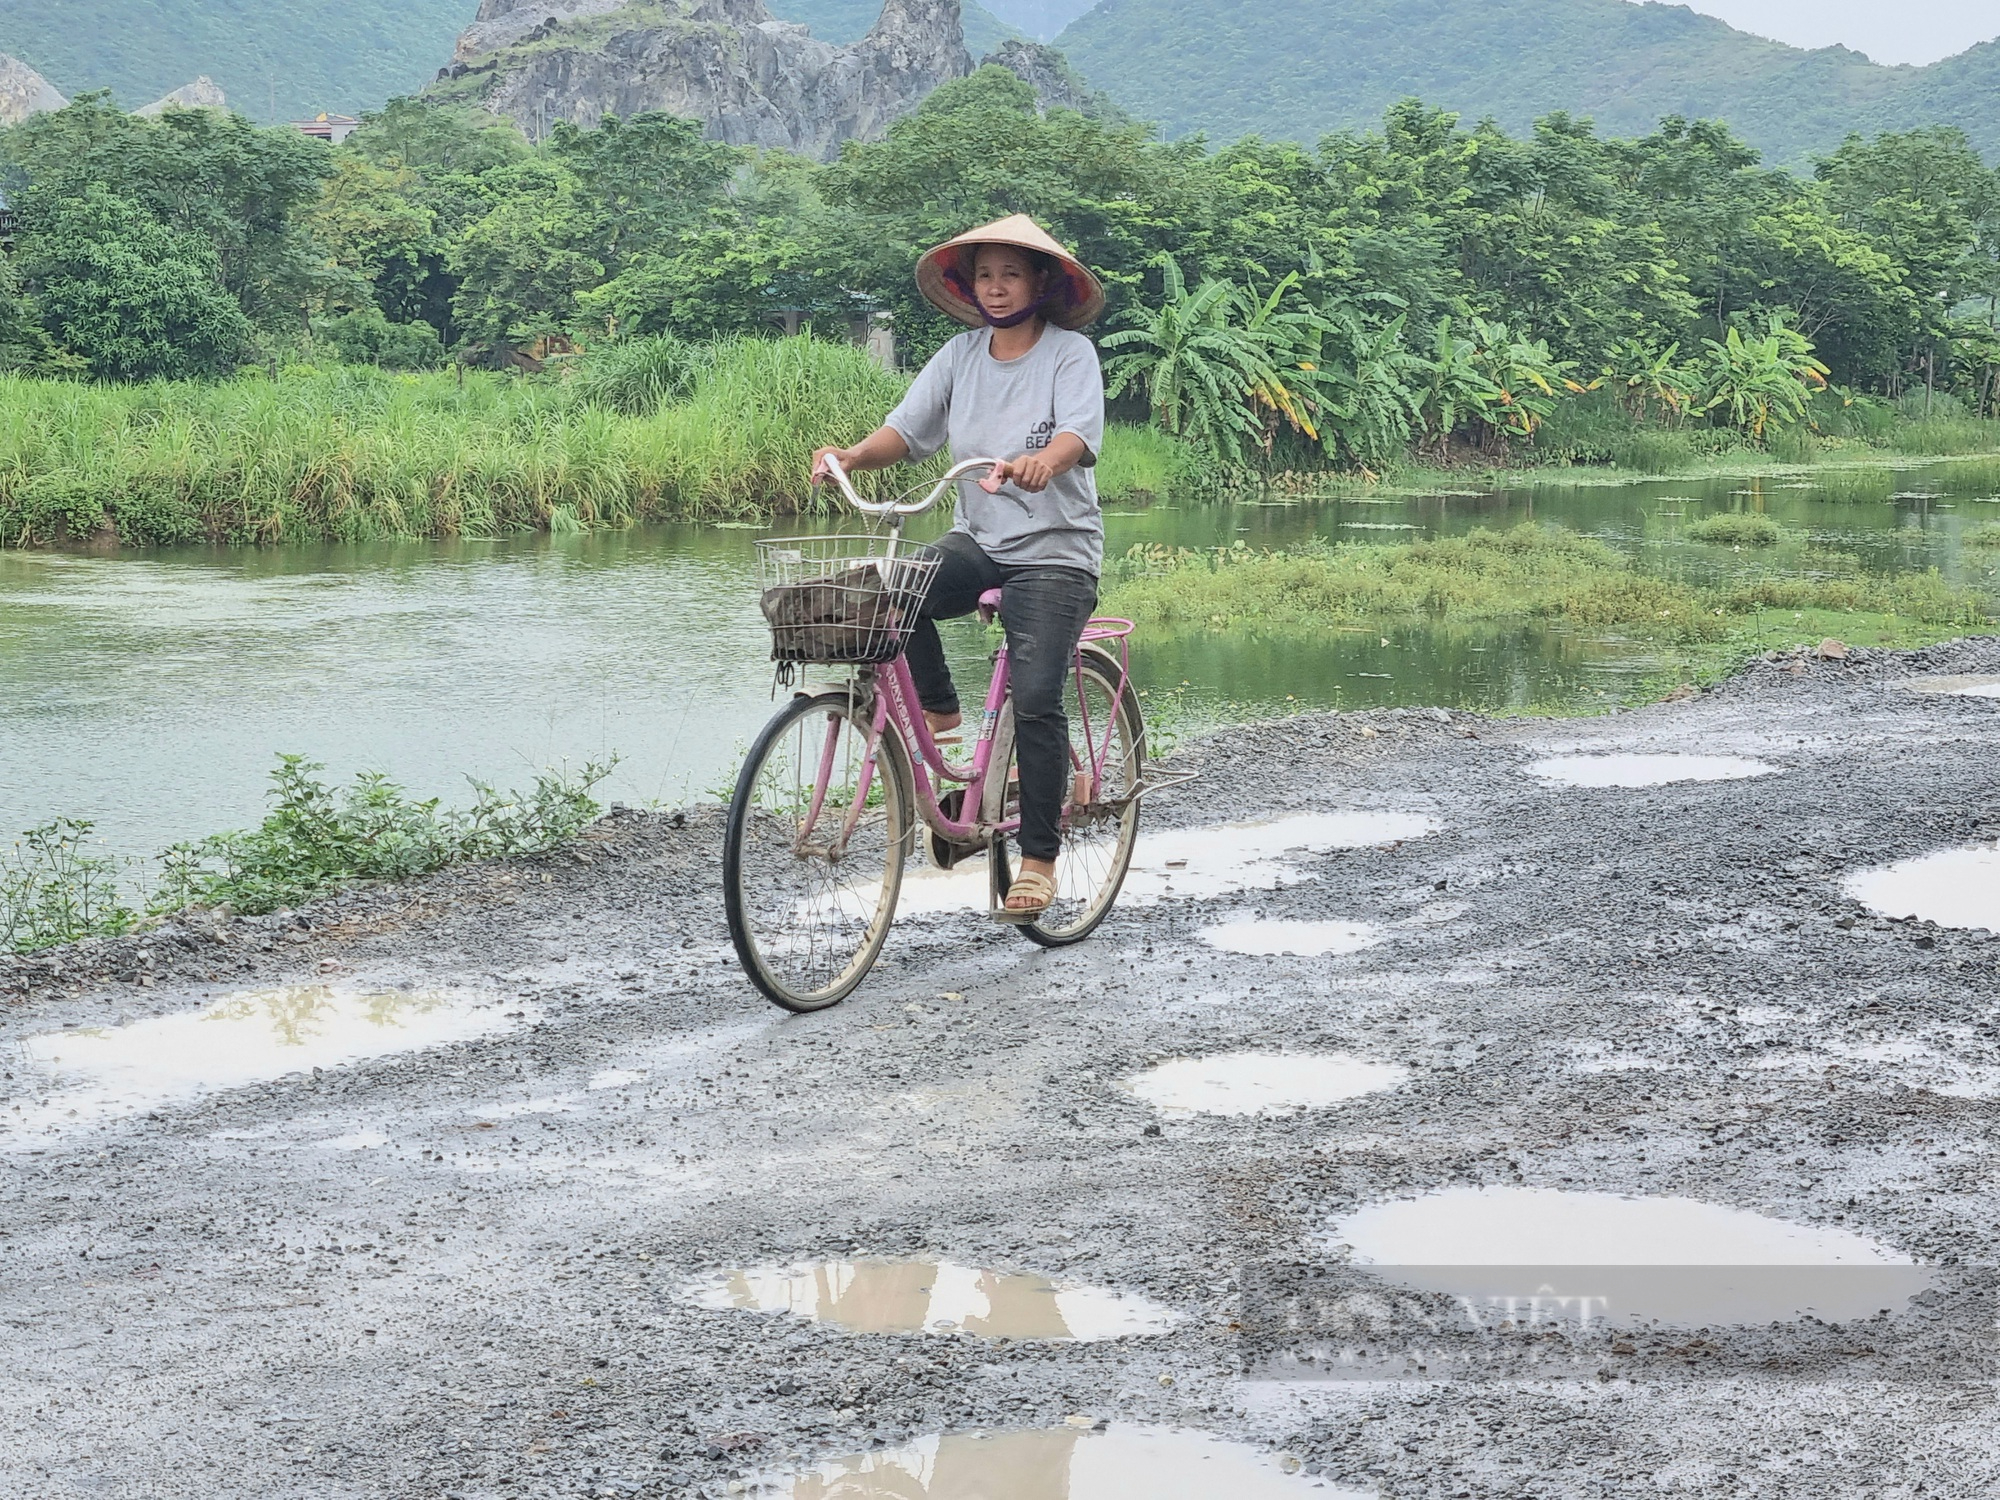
column 326, row 127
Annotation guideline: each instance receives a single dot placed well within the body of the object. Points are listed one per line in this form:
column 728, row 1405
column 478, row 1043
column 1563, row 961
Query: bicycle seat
column 989, row 606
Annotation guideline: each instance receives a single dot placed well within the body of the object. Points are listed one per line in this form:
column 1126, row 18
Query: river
column 150, row 692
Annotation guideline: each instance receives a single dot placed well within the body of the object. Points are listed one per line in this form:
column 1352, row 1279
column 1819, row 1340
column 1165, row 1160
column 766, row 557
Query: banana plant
column 1646, row 380
column 1527, row 377
column 1761, row 383
column 1455, row 393
column 1198, row 365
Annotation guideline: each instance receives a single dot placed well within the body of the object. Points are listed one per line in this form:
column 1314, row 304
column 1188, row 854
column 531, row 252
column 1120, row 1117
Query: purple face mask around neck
column 959, row 284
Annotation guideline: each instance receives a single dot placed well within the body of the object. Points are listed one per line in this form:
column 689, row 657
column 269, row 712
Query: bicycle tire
column 1100, row 669
column 753, row 844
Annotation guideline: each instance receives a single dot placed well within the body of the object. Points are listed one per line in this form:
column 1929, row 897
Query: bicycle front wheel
column 1101, row 825
column 812, row 861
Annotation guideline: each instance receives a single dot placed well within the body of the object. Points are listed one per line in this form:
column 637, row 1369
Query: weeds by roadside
column 52, row 890
column 315, row 838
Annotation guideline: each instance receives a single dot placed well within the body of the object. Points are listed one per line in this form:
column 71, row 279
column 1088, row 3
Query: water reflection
column 94, row 1073
column 1121, row 1463
column 1266, row 939
column 1262, row 1083
column 934, row 1297
column 1670, row 1260
column 1183, row 863
column 1953, row 888
column 1623, row 770
column 150, row 692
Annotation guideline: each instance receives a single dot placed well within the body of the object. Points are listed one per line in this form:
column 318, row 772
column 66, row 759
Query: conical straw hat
column 944, row 275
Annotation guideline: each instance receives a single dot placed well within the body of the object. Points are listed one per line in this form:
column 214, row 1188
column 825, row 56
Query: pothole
column 1274, row 939
column 1262, row 1083
column 256, row 1037
column 1965, row 686
column 1953, row 888
column 1196, row 863
column 1624, row 770
column 1060, row 1463
column 1672, row 1260
column 930, row 1297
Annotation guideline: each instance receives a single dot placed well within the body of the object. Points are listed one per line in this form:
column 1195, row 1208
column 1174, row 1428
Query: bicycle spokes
column 817, row 837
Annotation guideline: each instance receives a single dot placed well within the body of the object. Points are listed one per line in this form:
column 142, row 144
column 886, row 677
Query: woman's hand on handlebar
column 1034, row 472
column 883, row 448
column 840, row 456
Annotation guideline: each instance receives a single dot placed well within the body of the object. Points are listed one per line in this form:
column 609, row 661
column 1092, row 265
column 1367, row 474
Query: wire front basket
column 841, row 598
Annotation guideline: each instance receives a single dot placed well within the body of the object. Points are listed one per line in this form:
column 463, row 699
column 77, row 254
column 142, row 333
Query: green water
column 150, row 691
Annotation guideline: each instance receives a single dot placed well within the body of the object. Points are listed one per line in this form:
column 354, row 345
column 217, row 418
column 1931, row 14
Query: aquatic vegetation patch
column 1736, row 529
column 1547, row 575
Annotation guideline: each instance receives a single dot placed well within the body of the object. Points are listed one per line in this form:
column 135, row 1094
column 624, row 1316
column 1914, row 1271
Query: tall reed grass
column 725, row 431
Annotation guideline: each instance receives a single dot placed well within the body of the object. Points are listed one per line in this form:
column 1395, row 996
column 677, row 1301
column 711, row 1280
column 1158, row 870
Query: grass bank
column 1542, row 574
column 353, row 453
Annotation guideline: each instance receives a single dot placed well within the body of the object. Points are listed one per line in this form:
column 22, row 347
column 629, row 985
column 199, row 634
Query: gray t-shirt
column 987, row 408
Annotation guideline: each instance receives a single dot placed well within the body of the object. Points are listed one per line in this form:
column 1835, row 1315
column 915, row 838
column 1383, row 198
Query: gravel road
column 458, row 1270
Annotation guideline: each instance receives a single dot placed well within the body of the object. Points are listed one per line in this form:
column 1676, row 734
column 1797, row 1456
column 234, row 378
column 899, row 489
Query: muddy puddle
column 931, row 1297
column 1953, row 888
column 1262, row 1083
column 1678, row 1261
column 1956, row 687
column 1061, row 1463
column 101, row 1072
column 1195, row 863
column 1632, row 770
column 1270, row 939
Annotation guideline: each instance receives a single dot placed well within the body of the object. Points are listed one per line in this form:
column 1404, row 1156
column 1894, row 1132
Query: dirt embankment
column 456, row 1268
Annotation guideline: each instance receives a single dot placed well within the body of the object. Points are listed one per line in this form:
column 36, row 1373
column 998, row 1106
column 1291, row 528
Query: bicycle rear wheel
column 1099, row 836
column 812, row 861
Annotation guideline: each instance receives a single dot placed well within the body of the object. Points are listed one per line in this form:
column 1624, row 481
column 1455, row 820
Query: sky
column 1890, row 31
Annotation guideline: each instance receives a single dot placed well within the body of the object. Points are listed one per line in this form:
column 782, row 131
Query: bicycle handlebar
column 894, row 508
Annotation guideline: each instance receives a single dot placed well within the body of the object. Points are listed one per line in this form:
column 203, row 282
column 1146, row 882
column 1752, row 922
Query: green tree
column 522, row 266
column 367, row 220
column 123, row 292
column 1200, row 368
column 649, row 177
column 200, row 172
column 721, row 280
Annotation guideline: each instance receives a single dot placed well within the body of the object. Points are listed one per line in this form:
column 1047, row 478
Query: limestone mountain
column 203, row 93
column 1294, row 69
column 751, row 78
column 24, row 92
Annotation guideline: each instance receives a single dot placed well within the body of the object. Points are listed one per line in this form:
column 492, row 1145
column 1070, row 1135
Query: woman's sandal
column 1039, row 888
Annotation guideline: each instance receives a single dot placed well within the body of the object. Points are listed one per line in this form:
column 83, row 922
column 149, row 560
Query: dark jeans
column 1044, row 613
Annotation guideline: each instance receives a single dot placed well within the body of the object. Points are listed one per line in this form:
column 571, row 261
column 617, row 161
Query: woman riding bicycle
column 1025, row 384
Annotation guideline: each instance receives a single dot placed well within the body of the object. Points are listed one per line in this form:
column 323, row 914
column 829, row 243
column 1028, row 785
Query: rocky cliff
column 203, row 93
column 24, row 92
column 753, row 79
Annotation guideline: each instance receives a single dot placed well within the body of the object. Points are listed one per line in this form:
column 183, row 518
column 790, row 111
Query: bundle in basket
column 853, row 611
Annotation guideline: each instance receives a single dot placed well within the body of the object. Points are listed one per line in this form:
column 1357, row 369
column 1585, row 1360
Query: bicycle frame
column 896, row 709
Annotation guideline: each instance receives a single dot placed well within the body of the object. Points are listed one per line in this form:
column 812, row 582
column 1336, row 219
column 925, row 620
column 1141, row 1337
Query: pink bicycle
column 828, row 805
